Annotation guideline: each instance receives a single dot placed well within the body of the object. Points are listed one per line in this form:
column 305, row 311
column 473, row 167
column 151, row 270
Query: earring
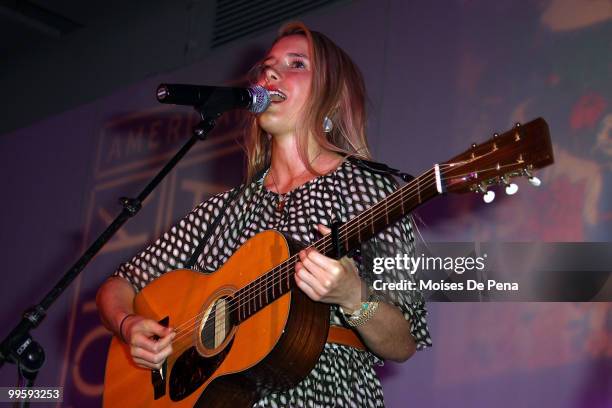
column 328, row 125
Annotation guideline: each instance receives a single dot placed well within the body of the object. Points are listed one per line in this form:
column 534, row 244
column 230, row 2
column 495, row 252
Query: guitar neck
column 351, row 235
column 384, row 213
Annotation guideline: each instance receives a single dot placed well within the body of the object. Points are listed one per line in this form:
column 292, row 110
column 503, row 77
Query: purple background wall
column 439, row 76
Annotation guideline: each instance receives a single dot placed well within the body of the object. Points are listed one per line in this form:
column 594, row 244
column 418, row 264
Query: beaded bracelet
column 121, row 326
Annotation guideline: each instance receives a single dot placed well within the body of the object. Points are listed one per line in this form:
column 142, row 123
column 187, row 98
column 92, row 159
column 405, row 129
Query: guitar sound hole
column 193, row 367
column 216, row 324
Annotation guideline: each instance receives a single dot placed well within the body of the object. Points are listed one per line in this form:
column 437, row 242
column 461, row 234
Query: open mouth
column 276, row 95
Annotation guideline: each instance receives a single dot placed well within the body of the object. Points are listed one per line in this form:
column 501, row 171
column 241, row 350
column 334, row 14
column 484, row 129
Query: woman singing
column 300, row 181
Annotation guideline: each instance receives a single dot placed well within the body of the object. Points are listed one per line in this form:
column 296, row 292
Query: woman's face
column 286, row 74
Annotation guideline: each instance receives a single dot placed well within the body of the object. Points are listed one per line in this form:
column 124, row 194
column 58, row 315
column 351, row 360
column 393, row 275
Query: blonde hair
column 337, row 91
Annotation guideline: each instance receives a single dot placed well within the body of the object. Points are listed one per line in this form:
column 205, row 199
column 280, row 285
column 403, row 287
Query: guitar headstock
column 515, row 153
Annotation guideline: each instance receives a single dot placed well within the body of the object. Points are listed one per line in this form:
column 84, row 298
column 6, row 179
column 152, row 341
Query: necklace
column 280, row 205
column 282, row 198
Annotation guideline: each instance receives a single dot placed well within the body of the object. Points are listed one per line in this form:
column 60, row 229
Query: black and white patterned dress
column 343, row 376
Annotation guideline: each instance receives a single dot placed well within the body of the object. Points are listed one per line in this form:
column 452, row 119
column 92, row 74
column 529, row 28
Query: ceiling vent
column 237, row 19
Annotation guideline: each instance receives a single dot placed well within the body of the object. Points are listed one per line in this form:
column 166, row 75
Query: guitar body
column 216, row 363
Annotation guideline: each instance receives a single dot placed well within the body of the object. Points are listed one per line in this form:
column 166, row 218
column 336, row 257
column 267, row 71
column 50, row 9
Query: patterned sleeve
column 398, row 239
column 172, row 250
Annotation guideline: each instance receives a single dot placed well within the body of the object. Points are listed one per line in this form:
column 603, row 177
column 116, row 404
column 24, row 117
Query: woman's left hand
column 328, row 280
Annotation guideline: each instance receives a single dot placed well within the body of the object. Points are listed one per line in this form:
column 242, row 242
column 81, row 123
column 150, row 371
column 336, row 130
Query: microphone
column 256, row 98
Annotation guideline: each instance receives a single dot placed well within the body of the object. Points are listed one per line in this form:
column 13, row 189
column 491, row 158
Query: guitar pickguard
column 191, row 370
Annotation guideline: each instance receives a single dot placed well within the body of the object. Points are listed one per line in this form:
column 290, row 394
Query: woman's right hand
column 139, row 334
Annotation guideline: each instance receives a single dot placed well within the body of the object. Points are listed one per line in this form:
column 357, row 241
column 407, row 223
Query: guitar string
column 288, row 265
column 286, row 268
column 391, row 200
column 284, row 271
column 272, row 274
column 278, row 275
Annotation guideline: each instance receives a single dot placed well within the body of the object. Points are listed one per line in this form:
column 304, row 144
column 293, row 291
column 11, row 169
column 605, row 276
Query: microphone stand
column 19, row 347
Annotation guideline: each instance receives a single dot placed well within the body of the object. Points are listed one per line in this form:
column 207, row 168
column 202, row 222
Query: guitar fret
column 371, row 220
column 249, row 301
column 386, row 212
column 240, row 307
column 253, row 299
column 288, row 277
column 260, row 296
column 346, row 243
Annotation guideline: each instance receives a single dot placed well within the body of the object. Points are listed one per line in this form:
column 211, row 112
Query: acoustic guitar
column 247, row 330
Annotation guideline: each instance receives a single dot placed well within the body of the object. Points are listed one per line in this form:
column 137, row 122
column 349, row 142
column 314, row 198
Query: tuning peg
column 511, row 189
column 534, row 181
column 487, row 196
